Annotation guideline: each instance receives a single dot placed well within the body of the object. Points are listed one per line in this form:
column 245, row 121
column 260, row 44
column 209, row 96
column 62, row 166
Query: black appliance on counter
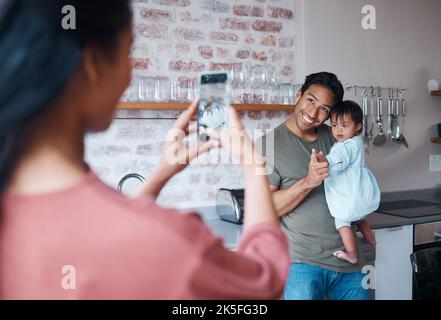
column 426, row 236
column 410, row 208
column 229, row 205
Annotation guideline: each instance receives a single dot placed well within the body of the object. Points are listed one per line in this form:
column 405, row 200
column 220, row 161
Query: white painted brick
column 134, row 141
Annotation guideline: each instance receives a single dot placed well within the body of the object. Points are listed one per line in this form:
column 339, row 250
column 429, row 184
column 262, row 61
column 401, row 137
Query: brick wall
column 181, row 38
column 178, row 39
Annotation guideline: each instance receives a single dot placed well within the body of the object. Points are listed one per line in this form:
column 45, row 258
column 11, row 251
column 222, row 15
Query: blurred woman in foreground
column 57, row 217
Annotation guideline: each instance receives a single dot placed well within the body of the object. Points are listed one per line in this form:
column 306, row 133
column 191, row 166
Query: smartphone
column 214, row 102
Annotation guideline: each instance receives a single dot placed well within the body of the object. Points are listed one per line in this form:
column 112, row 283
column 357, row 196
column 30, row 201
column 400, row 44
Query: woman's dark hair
column 327, row 80
column 348, row 108
column 39, row 56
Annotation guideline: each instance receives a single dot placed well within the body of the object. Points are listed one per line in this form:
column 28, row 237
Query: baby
column 351, row 189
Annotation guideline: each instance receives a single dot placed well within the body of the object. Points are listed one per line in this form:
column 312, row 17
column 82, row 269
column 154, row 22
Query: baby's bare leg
column 366, row 230
column 350, row 253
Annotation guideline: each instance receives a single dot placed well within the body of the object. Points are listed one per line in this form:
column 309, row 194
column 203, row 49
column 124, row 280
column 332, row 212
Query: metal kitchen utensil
column 390, row 105
column 402, row 139
column 400, row 103
column 365, row 102
column 380, row 138
column 371, row 136
column 397, row 132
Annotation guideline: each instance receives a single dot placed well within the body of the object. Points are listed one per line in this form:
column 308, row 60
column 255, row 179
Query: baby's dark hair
column 349, row 108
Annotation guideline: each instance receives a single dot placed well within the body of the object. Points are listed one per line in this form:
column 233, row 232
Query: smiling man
column 298, row 170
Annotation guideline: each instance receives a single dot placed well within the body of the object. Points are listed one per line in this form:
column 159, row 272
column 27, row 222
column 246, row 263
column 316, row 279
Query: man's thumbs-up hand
column 317, row 170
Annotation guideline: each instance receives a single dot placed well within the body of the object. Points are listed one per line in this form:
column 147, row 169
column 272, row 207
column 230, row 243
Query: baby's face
column 344, row 128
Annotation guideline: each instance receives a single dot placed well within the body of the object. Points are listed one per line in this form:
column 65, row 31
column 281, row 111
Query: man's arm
column 288, row 199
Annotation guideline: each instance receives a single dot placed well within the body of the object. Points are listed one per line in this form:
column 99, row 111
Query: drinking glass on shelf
column 246, row 75
column 142, row 88
column 258, row 98
column 237, row 96
column 181, row 92
column 150, row 89
column 256, row 76
column 196, row 88
column 191, row 86
column 164, row 89
column 235, row 86
column 236, row 83
column 247, row 97
column 284, row 93
column 275, row 94
column 173, row 90
column 131, row 93
column 266, row 84
column 235, row 76
column 177, row 88
column 274, row 77
column 157, row 91
column 292, row 94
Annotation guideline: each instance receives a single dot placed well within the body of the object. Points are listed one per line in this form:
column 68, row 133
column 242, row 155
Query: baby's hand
column 317, row 171
column 321, row 157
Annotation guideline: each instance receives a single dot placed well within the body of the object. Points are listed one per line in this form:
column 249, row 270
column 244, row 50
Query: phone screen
column 214, row 102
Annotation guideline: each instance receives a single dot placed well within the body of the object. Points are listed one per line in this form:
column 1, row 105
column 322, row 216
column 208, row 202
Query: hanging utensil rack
column 384, row 110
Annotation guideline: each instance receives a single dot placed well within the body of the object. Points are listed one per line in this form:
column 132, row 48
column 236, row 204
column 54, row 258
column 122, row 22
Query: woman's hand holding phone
column 236, row 141
column 258, row 207
column 176, row 153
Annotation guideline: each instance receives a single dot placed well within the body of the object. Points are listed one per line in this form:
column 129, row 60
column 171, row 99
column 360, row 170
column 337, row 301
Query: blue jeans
column 308, row 282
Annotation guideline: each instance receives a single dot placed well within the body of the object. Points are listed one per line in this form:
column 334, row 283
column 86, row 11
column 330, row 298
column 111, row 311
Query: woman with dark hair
column 63, row 233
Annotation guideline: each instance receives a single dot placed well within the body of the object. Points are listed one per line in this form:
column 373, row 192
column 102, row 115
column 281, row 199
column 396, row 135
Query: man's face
column 313, row 107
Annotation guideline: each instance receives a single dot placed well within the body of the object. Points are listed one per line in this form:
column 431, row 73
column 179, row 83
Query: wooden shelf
column 436, row 140
column 436, row 93
column 183, row 106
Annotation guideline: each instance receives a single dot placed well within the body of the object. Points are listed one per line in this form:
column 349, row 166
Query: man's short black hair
column 349, row 108
column 327, row 80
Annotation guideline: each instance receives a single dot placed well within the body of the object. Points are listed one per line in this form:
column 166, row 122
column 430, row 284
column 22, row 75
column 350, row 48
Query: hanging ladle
column 380, row 138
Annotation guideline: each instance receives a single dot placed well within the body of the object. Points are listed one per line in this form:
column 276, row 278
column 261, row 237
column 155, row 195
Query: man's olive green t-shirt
column 310, row 228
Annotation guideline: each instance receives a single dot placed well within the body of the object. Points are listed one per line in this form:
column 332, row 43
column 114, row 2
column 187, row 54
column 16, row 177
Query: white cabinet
column 393, row 270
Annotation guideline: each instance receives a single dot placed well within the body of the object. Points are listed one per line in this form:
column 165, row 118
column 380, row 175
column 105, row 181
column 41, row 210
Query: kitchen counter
column 231, row 232
column 381, row 220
